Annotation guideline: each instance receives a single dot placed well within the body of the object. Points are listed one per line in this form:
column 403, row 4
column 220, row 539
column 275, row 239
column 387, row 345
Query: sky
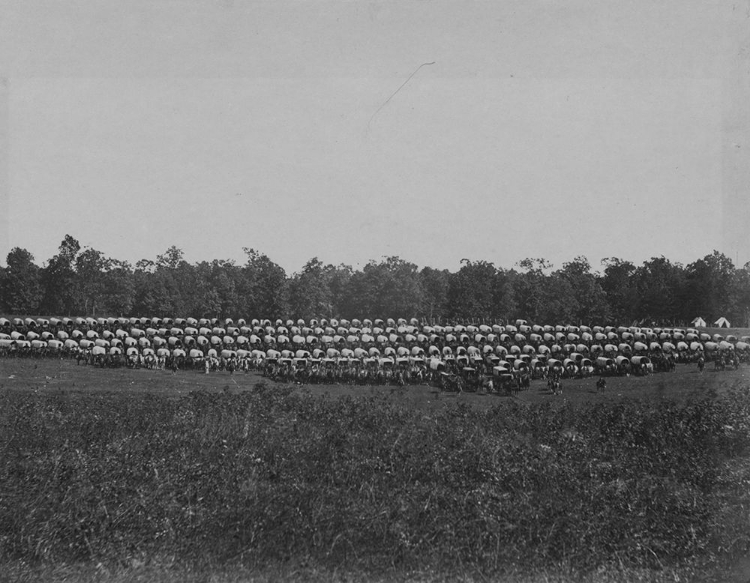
column 351, row 131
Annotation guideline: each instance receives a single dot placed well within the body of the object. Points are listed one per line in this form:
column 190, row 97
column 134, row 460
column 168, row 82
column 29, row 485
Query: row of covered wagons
column 379, row 341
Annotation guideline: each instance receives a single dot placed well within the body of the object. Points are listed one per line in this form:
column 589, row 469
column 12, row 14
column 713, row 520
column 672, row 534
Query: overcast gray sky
column 302, row 129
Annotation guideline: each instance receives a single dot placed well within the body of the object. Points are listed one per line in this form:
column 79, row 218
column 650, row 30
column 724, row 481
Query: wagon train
column 456, row 356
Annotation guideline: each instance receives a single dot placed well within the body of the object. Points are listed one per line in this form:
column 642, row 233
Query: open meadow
column 53, row 376
column 135, row 474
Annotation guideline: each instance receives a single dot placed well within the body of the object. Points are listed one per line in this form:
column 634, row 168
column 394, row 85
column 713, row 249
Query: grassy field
column 54, row 376
column 123, row 475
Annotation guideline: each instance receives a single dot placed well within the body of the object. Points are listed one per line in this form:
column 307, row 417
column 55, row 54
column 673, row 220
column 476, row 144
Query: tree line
column 84, row 282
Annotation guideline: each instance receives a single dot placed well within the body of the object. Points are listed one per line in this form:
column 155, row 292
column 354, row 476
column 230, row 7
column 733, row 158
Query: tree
column 543, row 298
column 91, row 266
column 504, row 295
column 709, row 286
column 118, row 289
column 224, row 284
column 309, row 293
column 391, row 288
column 530, row 289
column 339, row 278
column 661, row 292
column 166, row 286
column 59, row 280
column 156, row 292
column 20, row 283
column 435, row 283
column 471, row 292
column 265, row 284
column 151, row 294
column 619, row 285
column 739, row 297
column 589, row 302
column 204, row 299
column 171, row 258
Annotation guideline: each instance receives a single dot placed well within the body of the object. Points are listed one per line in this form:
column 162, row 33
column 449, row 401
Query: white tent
column 722, row 323
column 699, row 322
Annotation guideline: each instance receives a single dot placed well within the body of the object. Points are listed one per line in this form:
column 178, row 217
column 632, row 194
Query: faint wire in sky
column 396, row 91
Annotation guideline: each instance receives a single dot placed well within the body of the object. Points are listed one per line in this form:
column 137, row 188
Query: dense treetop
column 83, row 281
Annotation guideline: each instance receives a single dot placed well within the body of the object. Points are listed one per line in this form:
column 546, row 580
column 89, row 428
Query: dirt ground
column 52, row 375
